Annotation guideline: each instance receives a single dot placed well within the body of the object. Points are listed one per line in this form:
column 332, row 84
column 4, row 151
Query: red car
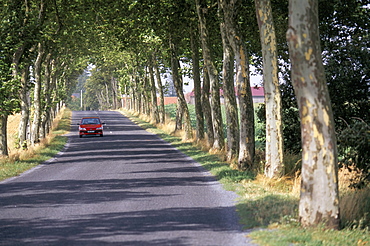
column 90, row 126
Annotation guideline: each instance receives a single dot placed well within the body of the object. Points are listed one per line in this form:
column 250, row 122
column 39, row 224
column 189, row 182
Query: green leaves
column 353, row 147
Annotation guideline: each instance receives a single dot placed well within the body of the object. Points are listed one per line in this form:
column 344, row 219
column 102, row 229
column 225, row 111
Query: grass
column 270, row 207
column 21, row 161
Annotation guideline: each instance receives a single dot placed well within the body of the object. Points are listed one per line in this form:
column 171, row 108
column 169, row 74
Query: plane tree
column 319, row 199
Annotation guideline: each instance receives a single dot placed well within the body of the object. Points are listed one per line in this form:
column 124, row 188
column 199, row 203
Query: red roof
column 256, row 92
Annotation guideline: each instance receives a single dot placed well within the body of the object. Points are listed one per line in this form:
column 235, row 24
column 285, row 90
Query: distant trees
column 33, row 66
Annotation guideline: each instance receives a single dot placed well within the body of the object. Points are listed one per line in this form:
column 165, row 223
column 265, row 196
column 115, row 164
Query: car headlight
column 82, row 129
column 99, row 128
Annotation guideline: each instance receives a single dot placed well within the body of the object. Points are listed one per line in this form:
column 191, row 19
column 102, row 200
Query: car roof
column 90, row 118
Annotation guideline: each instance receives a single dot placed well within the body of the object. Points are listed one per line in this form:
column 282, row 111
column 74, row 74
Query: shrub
column 353, row 150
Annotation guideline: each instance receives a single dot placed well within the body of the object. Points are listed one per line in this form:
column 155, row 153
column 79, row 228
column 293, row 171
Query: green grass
column 294, row 235
column 271, row 210
column 170, row 109
column 17, row 164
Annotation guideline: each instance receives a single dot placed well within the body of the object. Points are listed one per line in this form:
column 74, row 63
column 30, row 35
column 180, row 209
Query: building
column 258, row 95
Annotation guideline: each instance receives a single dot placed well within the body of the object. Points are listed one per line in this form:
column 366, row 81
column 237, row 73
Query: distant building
column 258, row 95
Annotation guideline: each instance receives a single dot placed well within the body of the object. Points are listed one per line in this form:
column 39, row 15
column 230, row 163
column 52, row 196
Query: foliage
column 290, row 118
column 353, row 148
column 345, row 41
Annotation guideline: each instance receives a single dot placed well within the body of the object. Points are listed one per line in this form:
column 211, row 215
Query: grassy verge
column 268, row 204
column 21, row 161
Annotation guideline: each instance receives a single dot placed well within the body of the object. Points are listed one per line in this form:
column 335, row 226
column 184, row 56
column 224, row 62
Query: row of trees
column 46, row 43
column 40, row 57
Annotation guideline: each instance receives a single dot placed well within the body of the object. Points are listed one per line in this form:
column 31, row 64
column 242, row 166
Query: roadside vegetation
column 270, row 206
column 20, row 161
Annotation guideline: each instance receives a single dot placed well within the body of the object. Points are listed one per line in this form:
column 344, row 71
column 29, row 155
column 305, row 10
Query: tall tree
column 178, row 82
column 237, row 41
column 162, row 114
column 154, row 103
column 36, row 123
column 274, row 165
column 209, row 63
column 319, row 201
column 231, row 107
column 194, row 42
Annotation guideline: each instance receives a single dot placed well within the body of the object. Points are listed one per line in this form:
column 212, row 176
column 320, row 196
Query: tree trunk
column 218, row 142
column 46, row 105
column 207, row 107
column 35, row 130
column 23, row 94
column 197, row 85
column 114, row 85
column 231, row 107
column 146, row 95
column 177, row 79
column 25, row 108
column 155, row 114
column 319, row 186
column 179, row 116
column 234, row 34
column 3, row 135
column 274, row 165
column 162, row 113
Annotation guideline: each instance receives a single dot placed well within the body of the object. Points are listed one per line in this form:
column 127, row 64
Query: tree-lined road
column 126, row 188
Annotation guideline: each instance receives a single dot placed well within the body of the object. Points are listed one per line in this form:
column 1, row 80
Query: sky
column 256, row 80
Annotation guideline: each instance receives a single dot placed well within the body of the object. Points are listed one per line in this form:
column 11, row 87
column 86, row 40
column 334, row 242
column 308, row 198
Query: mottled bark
column 319, row 200
column 25, row 107
column 23, row 94
column 178, row 83
column 274, row 165
column 219, row 141
column 146, row 95
column 207, row 107
column 197, row 86
column 162, row 113
column 35, row 129
column 46, row 105
column 234, row 34
column 231, row 107
column 155, row 114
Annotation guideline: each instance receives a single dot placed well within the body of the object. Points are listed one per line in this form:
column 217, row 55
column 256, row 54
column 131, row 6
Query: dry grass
column 12, row 131
column 354, row 203
column 16, row 154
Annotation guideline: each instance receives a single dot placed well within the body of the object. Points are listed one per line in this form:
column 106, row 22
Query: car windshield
column 90, row 122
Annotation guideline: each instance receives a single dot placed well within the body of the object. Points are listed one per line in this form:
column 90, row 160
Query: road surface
column 126, row 188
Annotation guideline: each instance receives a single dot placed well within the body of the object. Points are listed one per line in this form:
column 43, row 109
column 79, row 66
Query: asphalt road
column 126, row 188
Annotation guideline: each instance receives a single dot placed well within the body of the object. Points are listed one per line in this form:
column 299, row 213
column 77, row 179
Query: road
column 126, row 188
